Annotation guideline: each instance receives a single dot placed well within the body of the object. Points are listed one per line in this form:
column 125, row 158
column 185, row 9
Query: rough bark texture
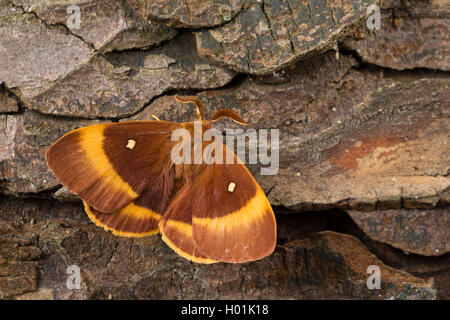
column 107, row 25
column 416, row 35
column 188, row 14
column 270, row 34
column 363, row 117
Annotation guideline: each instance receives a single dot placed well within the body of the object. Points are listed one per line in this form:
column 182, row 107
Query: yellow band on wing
column 253, row 210
column 91, row 140
column 186, row 230
column 138, row 212
column 182, row 227
column 149, row 214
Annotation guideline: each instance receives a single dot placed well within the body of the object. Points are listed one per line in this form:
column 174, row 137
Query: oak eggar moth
column 129, row 185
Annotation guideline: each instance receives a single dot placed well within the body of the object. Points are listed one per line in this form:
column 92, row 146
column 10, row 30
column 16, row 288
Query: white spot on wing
column 130, row 144
column 231, row 186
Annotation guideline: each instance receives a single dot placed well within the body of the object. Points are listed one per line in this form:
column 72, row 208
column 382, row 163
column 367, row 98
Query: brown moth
column 129, row 184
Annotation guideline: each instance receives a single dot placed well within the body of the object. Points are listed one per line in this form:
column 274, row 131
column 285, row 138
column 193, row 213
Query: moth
column 124, row 173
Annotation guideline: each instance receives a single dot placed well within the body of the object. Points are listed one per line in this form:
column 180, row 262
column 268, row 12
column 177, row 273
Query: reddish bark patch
column 344, row 156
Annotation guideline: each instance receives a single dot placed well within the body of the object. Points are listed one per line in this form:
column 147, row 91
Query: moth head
column 219, row 114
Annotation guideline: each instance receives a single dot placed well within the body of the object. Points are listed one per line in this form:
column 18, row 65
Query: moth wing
column 232, row 220
column 139, row 218
column 110, row 165
column 176, row 226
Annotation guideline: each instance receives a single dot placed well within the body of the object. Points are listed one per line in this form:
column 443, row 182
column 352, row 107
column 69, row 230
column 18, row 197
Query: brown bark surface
column 364, row 120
